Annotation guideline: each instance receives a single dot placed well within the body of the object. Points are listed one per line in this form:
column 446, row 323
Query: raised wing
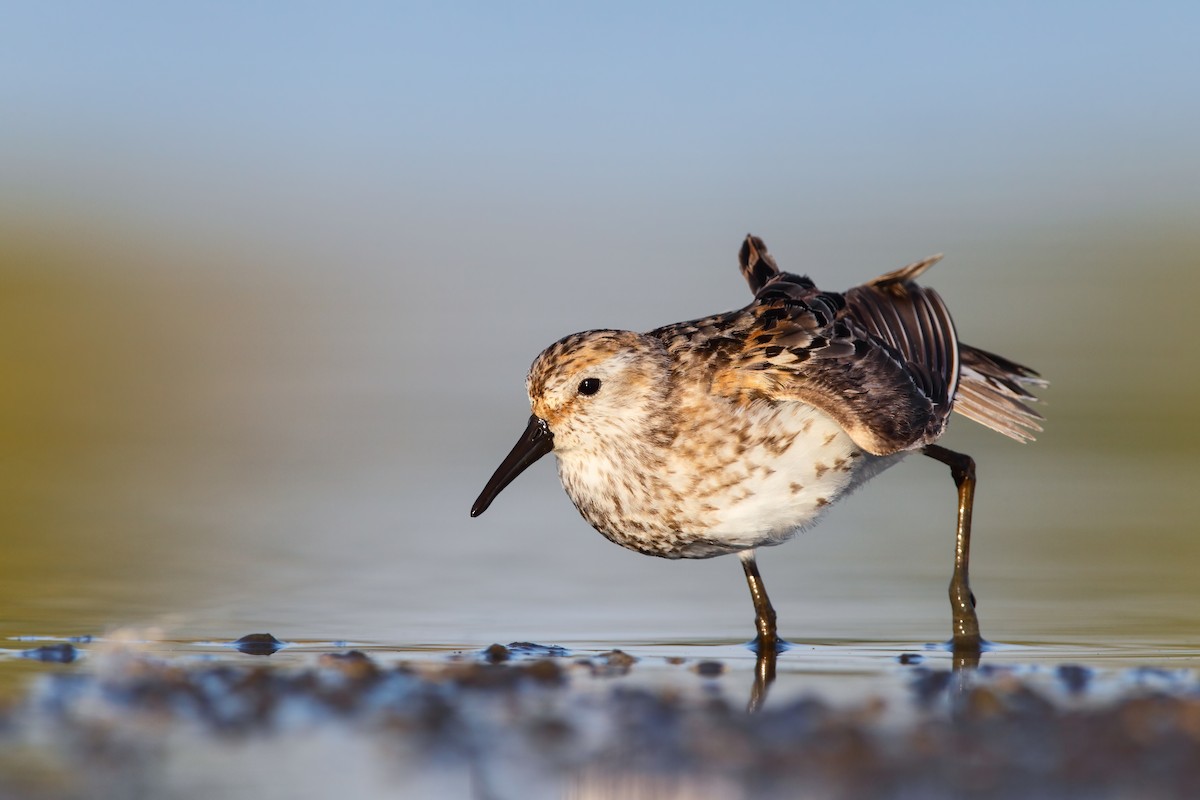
column 984, row 387
column 889, row 338
column 880, row 360
column 915, row 325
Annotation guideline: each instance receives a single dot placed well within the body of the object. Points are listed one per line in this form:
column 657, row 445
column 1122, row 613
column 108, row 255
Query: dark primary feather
column 889, row 338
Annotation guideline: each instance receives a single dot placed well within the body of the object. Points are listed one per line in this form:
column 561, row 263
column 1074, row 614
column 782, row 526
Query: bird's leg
column 966, row 640
column 766, row 643
column 764, row 615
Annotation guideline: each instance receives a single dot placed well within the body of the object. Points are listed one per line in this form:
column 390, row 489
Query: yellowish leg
column 766, row 643
column 764, row 613
column 967, row 640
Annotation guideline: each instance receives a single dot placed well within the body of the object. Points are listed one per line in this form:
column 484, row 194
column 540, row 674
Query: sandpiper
column 737, row 430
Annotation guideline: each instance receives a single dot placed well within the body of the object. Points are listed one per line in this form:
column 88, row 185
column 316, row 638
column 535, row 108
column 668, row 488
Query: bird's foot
column 769, row 644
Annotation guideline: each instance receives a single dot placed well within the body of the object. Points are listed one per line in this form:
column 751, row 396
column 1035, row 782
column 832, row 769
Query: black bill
column 535, row 442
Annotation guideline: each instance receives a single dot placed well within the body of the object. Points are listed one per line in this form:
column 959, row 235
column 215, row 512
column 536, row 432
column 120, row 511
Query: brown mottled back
column 840, row 353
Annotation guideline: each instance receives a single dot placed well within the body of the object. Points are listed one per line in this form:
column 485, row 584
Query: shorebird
column 735, row 431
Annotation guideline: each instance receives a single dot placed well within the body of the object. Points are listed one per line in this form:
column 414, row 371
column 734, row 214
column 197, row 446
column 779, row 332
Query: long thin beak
column 535, row 442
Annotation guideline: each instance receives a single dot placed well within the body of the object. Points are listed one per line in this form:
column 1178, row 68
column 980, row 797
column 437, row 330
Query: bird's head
column 588, row 391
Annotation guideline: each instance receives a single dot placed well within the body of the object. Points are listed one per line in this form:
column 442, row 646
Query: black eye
column 589, row 386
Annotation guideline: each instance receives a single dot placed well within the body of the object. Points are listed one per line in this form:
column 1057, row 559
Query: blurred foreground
column 530, row 721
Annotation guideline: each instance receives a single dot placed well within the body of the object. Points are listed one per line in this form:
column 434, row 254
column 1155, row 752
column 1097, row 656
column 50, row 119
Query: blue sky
column 298, row 112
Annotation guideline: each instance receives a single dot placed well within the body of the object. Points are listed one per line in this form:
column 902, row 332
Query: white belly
column 731, row 480
column 781, row 494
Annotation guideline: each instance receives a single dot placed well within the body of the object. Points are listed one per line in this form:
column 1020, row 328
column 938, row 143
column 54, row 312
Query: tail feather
column 992, row 391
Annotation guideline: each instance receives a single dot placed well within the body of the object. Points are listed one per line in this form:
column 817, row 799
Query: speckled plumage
column 736, row 430
column 661, row 464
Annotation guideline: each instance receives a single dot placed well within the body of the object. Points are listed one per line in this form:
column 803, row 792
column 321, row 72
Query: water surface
column 208, row 453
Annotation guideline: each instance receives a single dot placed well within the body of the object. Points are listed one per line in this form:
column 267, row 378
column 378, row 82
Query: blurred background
column 271, row 276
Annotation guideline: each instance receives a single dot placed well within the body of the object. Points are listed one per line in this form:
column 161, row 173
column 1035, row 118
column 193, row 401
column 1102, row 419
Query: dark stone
column 53, row 653
column 1075, row 677
column 496, row 654
column 258, row 644
column 534, row 650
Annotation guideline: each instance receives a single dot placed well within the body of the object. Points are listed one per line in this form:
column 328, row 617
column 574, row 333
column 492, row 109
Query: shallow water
column 208, row 455
column 844, row 673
